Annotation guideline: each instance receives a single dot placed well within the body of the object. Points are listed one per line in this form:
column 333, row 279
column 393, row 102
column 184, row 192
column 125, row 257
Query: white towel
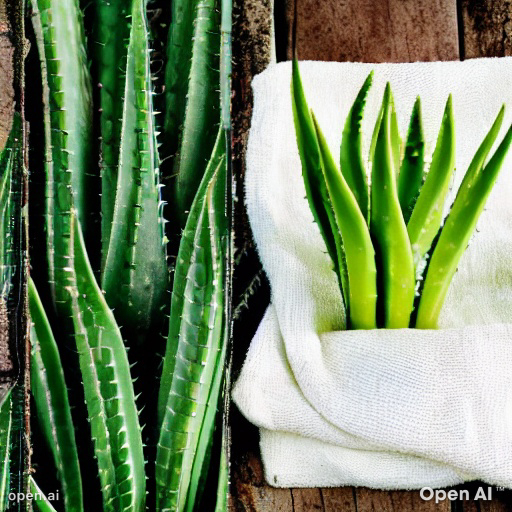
column 393, row 409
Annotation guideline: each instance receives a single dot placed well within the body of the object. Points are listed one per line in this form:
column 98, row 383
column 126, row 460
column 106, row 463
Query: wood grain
column 375, row 30
column 6, row 74
column 369, row 500
column 487, row 28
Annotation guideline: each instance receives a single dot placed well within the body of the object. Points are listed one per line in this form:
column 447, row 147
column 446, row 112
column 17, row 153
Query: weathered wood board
column 345, row 30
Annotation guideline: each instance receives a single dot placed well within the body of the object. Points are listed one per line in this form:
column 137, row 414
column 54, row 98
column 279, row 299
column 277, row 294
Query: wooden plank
column 375, row 30
column 6, row 74
column 307, row 500
column 249, row 493
column 369, row 500
column 487, row 28
column 339, row 499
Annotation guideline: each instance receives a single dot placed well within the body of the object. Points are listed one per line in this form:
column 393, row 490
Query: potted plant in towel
column 393, row 255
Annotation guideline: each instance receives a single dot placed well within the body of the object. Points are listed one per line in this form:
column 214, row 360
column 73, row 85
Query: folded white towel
column 395, row 409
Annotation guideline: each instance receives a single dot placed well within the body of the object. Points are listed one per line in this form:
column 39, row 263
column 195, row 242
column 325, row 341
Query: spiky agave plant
column 130, row 296
column 385, row 239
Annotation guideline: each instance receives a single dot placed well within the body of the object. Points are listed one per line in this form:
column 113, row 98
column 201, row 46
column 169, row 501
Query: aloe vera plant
column 128, row 297
column 387, row 226
column 52, row 404
column 406, row 210
column 460, row 225
column 135, row 275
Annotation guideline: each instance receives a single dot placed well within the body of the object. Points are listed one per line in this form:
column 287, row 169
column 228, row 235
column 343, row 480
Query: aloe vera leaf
column 10, row 205
column 459, row 226
column 394, row 255
column 359, row 252
column 218, row 222
column 314, row 183
column 40, row 501
column 351, row 156
column 202, row 109
column 5, row 449
column 51, row 403
column 375, row 133
column 135, row 275
column 427, row 214
column 178, row 304
column 6, row 204
column 177, row 71
column 110, row 33
column 67, row 89
column 223, row 484
column 411, row 170
column 196, row 358
column 396, row 141
column 108, row 388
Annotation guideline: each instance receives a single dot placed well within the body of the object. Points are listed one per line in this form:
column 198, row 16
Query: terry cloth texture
column 391, row 409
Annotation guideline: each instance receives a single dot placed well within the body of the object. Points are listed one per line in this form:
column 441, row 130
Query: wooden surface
column 342, row 30
column 6, row 74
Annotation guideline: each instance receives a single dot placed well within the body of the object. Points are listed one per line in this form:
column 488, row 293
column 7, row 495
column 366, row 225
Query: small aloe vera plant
column 108, row 279
column 389, row 240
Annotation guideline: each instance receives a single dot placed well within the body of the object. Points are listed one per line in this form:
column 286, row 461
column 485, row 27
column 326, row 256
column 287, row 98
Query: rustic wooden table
column 340, row 30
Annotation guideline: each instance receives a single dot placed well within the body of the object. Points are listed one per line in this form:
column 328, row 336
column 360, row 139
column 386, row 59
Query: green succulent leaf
column 108, row 42
column 196, row 360
column 351, row 154
column 201, row 119
column 460, row 225
column 216, row 204
column 177, row 71
column 223, row 483
column 396, row 140
column 178, row 304
column 411, row 171
column 108, row 388
column 68, row 124
column 359, row 252
column 394, row 255
column 314, row 183
column 40, row 501
column 135, row 275
column 427, row 214
column 10, row 206
column 52, row 404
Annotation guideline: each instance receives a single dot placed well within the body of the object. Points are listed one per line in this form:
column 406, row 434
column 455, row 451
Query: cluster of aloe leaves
column 393, row 252
column 104, row 302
